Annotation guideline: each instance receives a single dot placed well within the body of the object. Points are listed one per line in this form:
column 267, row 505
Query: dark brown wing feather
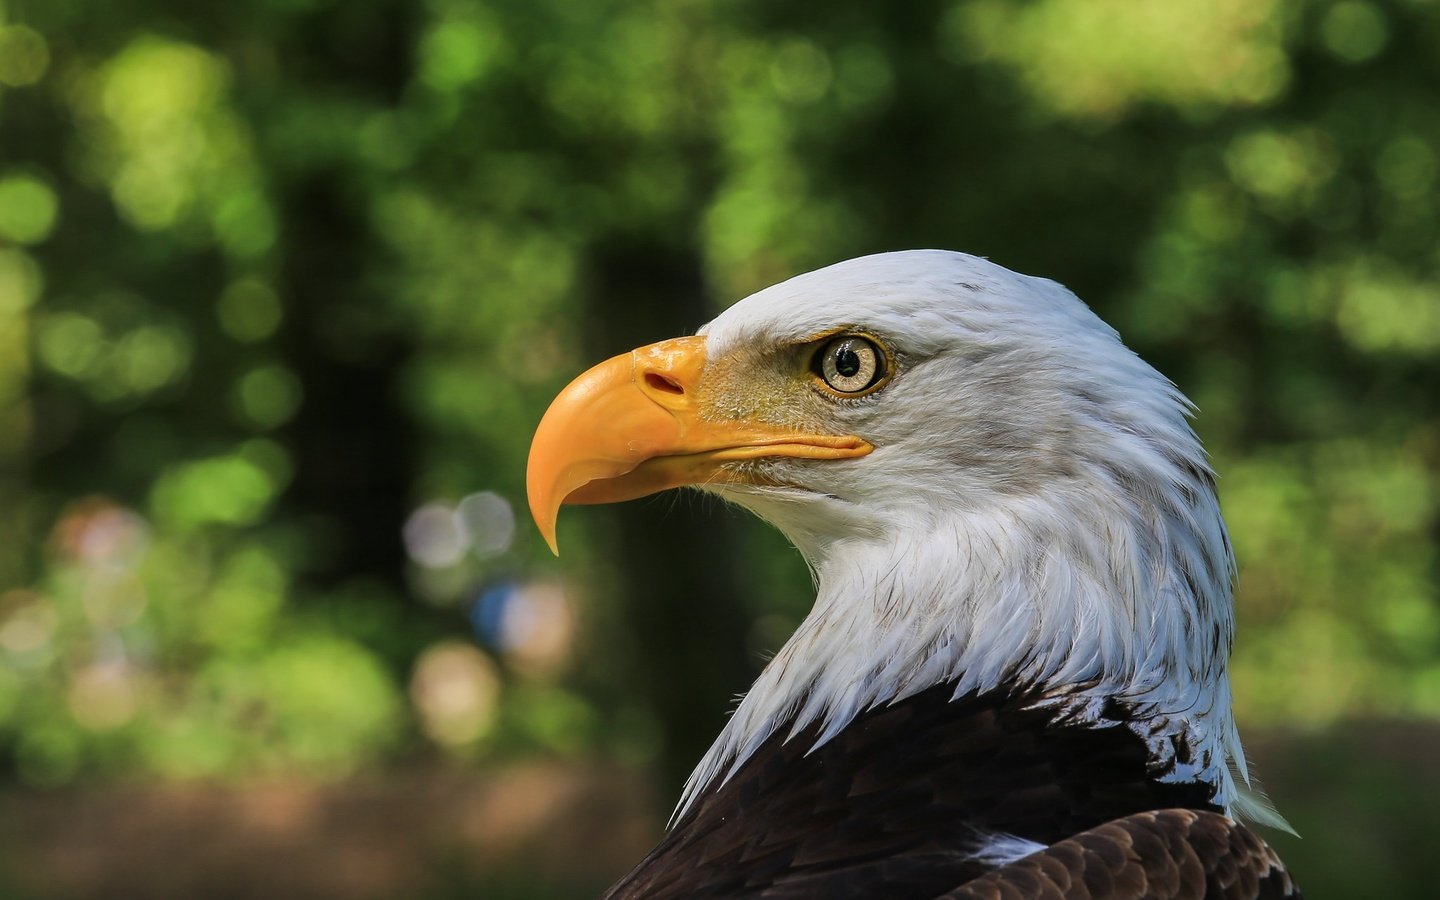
column 1171, row 854
column 898, row 802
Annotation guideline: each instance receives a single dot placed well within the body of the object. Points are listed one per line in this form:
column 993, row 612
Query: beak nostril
column 662, row 383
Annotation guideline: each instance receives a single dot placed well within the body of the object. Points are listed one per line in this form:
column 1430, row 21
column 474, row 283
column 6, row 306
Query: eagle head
column 990, row 487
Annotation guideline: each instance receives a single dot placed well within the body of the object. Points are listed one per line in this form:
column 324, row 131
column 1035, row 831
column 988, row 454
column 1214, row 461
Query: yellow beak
column 631, row 427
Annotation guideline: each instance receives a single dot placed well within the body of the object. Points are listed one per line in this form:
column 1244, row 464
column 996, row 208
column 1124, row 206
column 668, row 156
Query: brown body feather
column 903, row 802
column 1170, row 854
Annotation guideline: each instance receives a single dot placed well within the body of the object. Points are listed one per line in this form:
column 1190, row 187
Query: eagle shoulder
column 1168, row 854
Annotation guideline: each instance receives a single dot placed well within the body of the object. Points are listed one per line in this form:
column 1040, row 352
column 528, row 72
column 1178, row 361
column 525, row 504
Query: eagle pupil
column 847, row 361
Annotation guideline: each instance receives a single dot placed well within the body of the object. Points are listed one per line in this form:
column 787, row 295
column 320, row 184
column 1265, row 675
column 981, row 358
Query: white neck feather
column 1095, row 590
column 1037, row 514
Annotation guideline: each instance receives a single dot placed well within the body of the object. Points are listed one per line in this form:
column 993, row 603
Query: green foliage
column 273, row 279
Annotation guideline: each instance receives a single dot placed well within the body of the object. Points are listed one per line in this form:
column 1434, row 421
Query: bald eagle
column 1012, row 682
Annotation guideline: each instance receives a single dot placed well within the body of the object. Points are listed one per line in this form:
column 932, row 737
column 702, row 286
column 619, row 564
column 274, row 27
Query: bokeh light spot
column 537, row 628
column 1096, row 57
column 102, row 696
column 489, row 522
column 863, row 76
column 245, row 223
column 455, row 689
column 20, row 280
column 28, row 209
column 1381, row 310
column 69, row 343
column 230, row 490
column 1266, row 162
column 1407, row 167
column 101, row 535
column 249, row 310
column 1354, row 31
column 27, row 622
column 455, row 53
column 268, row 395
column 434, row 536
column 151, row 357
column 801, row 72
column 24, row 55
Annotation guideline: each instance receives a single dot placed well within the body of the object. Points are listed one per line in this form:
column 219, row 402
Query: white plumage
column 1059, row 524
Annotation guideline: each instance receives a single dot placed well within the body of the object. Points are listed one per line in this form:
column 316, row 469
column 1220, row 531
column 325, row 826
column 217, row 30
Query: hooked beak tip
column 546, row 513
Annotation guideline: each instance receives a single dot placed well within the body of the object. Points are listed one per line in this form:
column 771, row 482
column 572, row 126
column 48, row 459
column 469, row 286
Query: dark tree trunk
column 353, row 441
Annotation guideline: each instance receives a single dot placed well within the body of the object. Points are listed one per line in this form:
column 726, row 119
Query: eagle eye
column 850, row 364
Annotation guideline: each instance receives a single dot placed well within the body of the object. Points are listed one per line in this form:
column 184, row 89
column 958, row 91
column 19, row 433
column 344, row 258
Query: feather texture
column 917, row 797
column 1013, row 679
column 1038, row 507
column 1171, row 854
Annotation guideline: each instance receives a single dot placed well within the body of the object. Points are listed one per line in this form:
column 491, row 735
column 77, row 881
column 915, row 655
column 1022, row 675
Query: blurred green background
column 285, row 286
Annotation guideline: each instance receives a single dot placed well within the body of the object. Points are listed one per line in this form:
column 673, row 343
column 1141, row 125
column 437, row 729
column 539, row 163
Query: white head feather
column 1037, row 510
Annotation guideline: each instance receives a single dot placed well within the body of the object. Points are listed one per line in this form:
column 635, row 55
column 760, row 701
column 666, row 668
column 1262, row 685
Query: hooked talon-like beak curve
column 631, row 427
